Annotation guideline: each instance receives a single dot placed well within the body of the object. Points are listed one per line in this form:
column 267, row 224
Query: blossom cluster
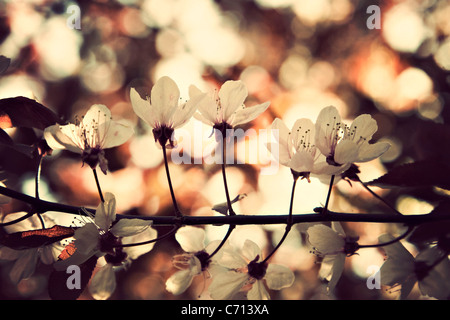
column 324, row 149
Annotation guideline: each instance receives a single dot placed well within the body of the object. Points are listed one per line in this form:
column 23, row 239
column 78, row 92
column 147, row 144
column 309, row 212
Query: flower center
column 351, row 246
column 203, row 257
column 162, row 134
column 108, row 242
column 223, row 127
column 93, row 157
column 256, row 269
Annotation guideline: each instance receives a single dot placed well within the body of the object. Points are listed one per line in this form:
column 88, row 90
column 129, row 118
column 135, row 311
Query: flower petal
column 325, row 240
column 24, row 266
column 179, row 282
column 165, row 97
column 134, row 252
column 279, row 277
column 280, row 132
column 187, row 110
column 250, row 250
column 368, row 152
column 106, row 212
column 103, row 283
column 231, row 258
column 97, row 114
column 248, row 114
column 113, row 134
column 226, row 284
column 191, row 239
column 258, row 292
column 143, row 108
column 346, row 152
column 302, row 161
column 303, row 134
column 232, row 95
column 129, row 227
column 86, row 239
column 399, row 264
column 331, row 269
column 326, row 126
column 61, row 137
column 280, row 154
column 362, row 128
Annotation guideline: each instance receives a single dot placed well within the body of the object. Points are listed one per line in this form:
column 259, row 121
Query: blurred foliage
column 301, row 55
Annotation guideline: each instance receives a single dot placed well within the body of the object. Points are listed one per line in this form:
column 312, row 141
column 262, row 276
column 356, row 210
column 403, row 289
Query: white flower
column 296, row 148
column 162, row 111
column 95, row 132
column 333, row 245
column 26, row 260
column 226, row 109
column 245, row 268
column 105, row 237
column 194, row 262
column 430, row 268
column 343, row 145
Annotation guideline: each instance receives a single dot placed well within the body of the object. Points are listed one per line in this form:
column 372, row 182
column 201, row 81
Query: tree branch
column 41, row 206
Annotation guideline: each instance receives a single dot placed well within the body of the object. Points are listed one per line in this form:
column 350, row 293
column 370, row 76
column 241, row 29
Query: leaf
column 5, row 139
column 223, row 207
column 35, row 238
column 426, row 173
column 64, row 285
column 25, row 112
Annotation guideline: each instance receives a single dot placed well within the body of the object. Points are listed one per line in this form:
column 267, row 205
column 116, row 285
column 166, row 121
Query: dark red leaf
column 35, row 238
column 25, row 112
column 426, row 173
column 5, row 139
column 58, row 287
column 68, row 251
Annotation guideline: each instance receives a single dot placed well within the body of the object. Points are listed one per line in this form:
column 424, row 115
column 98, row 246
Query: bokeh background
column 301, row 55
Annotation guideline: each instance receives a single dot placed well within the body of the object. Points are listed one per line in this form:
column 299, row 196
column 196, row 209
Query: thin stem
column 169, row 180
column 230, row 208
column 224, row 240
column 26, row 216
column 325, row 208
column 288, row 224
column 149, row 241
column 37, row 180
column 98, row 185
column 402, row 236
column 380, row 198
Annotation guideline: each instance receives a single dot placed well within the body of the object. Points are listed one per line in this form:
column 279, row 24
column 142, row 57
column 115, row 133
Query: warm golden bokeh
column 300, row 55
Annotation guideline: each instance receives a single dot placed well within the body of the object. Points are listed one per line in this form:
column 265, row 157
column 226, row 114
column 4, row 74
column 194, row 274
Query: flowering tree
column 329, row 150
column 75, row 238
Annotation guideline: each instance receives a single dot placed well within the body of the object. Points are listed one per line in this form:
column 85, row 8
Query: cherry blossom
column 91, row 136
column 225, row 109
column 333, row 246
column 107, row 237
column 430, row 268
column 246, row 271
column 162, row 111
column 195, row 261
column 343, row 145
column 295, row 148
column 26, row 260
